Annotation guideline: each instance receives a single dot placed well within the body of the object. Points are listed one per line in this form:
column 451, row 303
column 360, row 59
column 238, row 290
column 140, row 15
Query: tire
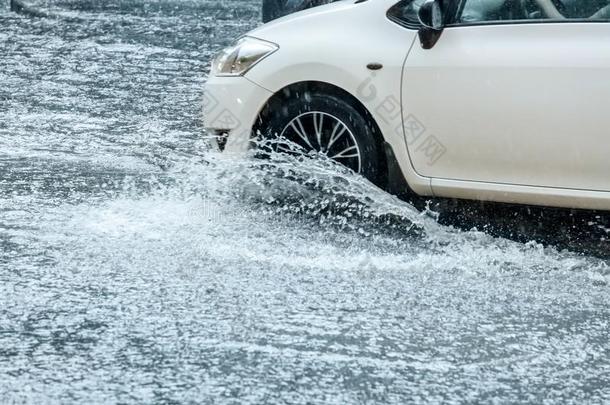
column 291, row 118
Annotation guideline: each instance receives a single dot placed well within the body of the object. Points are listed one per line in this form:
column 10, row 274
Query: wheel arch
column 393, row 178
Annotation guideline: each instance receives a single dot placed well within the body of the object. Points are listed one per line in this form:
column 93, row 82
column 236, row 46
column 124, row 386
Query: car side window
column 490, row 11
column 405, row 13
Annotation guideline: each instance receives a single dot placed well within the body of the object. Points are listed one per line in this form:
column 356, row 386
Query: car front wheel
column 326, row 124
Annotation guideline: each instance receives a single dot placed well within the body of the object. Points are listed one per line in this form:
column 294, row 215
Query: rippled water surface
column 137, row 266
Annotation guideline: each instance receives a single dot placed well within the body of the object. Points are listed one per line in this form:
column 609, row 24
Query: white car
column 495, row 100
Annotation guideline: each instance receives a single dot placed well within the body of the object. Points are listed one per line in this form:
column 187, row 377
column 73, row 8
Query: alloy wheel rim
column 323, row 133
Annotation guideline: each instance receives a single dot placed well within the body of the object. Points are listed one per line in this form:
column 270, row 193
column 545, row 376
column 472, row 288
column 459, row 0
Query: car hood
column 335, row 14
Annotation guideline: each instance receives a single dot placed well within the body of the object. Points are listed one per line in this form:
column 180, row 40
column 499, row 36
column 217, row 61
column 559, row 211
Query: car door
column 513, row 101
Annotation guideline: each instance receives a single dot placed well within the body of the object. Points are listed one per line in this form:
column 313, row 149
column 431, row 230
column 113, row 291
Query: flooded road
column 138, row 266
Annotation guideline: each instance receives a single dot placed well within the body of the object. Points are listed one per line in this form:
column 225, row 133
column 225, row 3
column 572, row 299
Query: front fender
column 378, row 91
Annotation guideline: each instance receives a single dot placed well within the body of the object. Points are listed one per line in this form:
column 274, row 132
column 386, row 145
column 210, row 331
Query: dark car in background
column 273, row 9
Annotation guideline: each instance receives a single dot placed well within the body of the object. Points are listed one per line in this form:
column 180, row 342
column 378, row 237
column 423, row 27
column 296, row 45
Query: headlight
column 238, row 59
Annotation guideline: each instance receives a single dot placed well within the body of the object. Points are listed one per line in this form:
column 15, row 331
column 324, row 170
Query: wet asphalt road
column 137, row 266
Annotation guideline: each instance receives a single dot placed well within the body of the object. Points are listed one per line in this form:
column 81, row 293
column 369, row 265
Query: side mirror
column 432, row 20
